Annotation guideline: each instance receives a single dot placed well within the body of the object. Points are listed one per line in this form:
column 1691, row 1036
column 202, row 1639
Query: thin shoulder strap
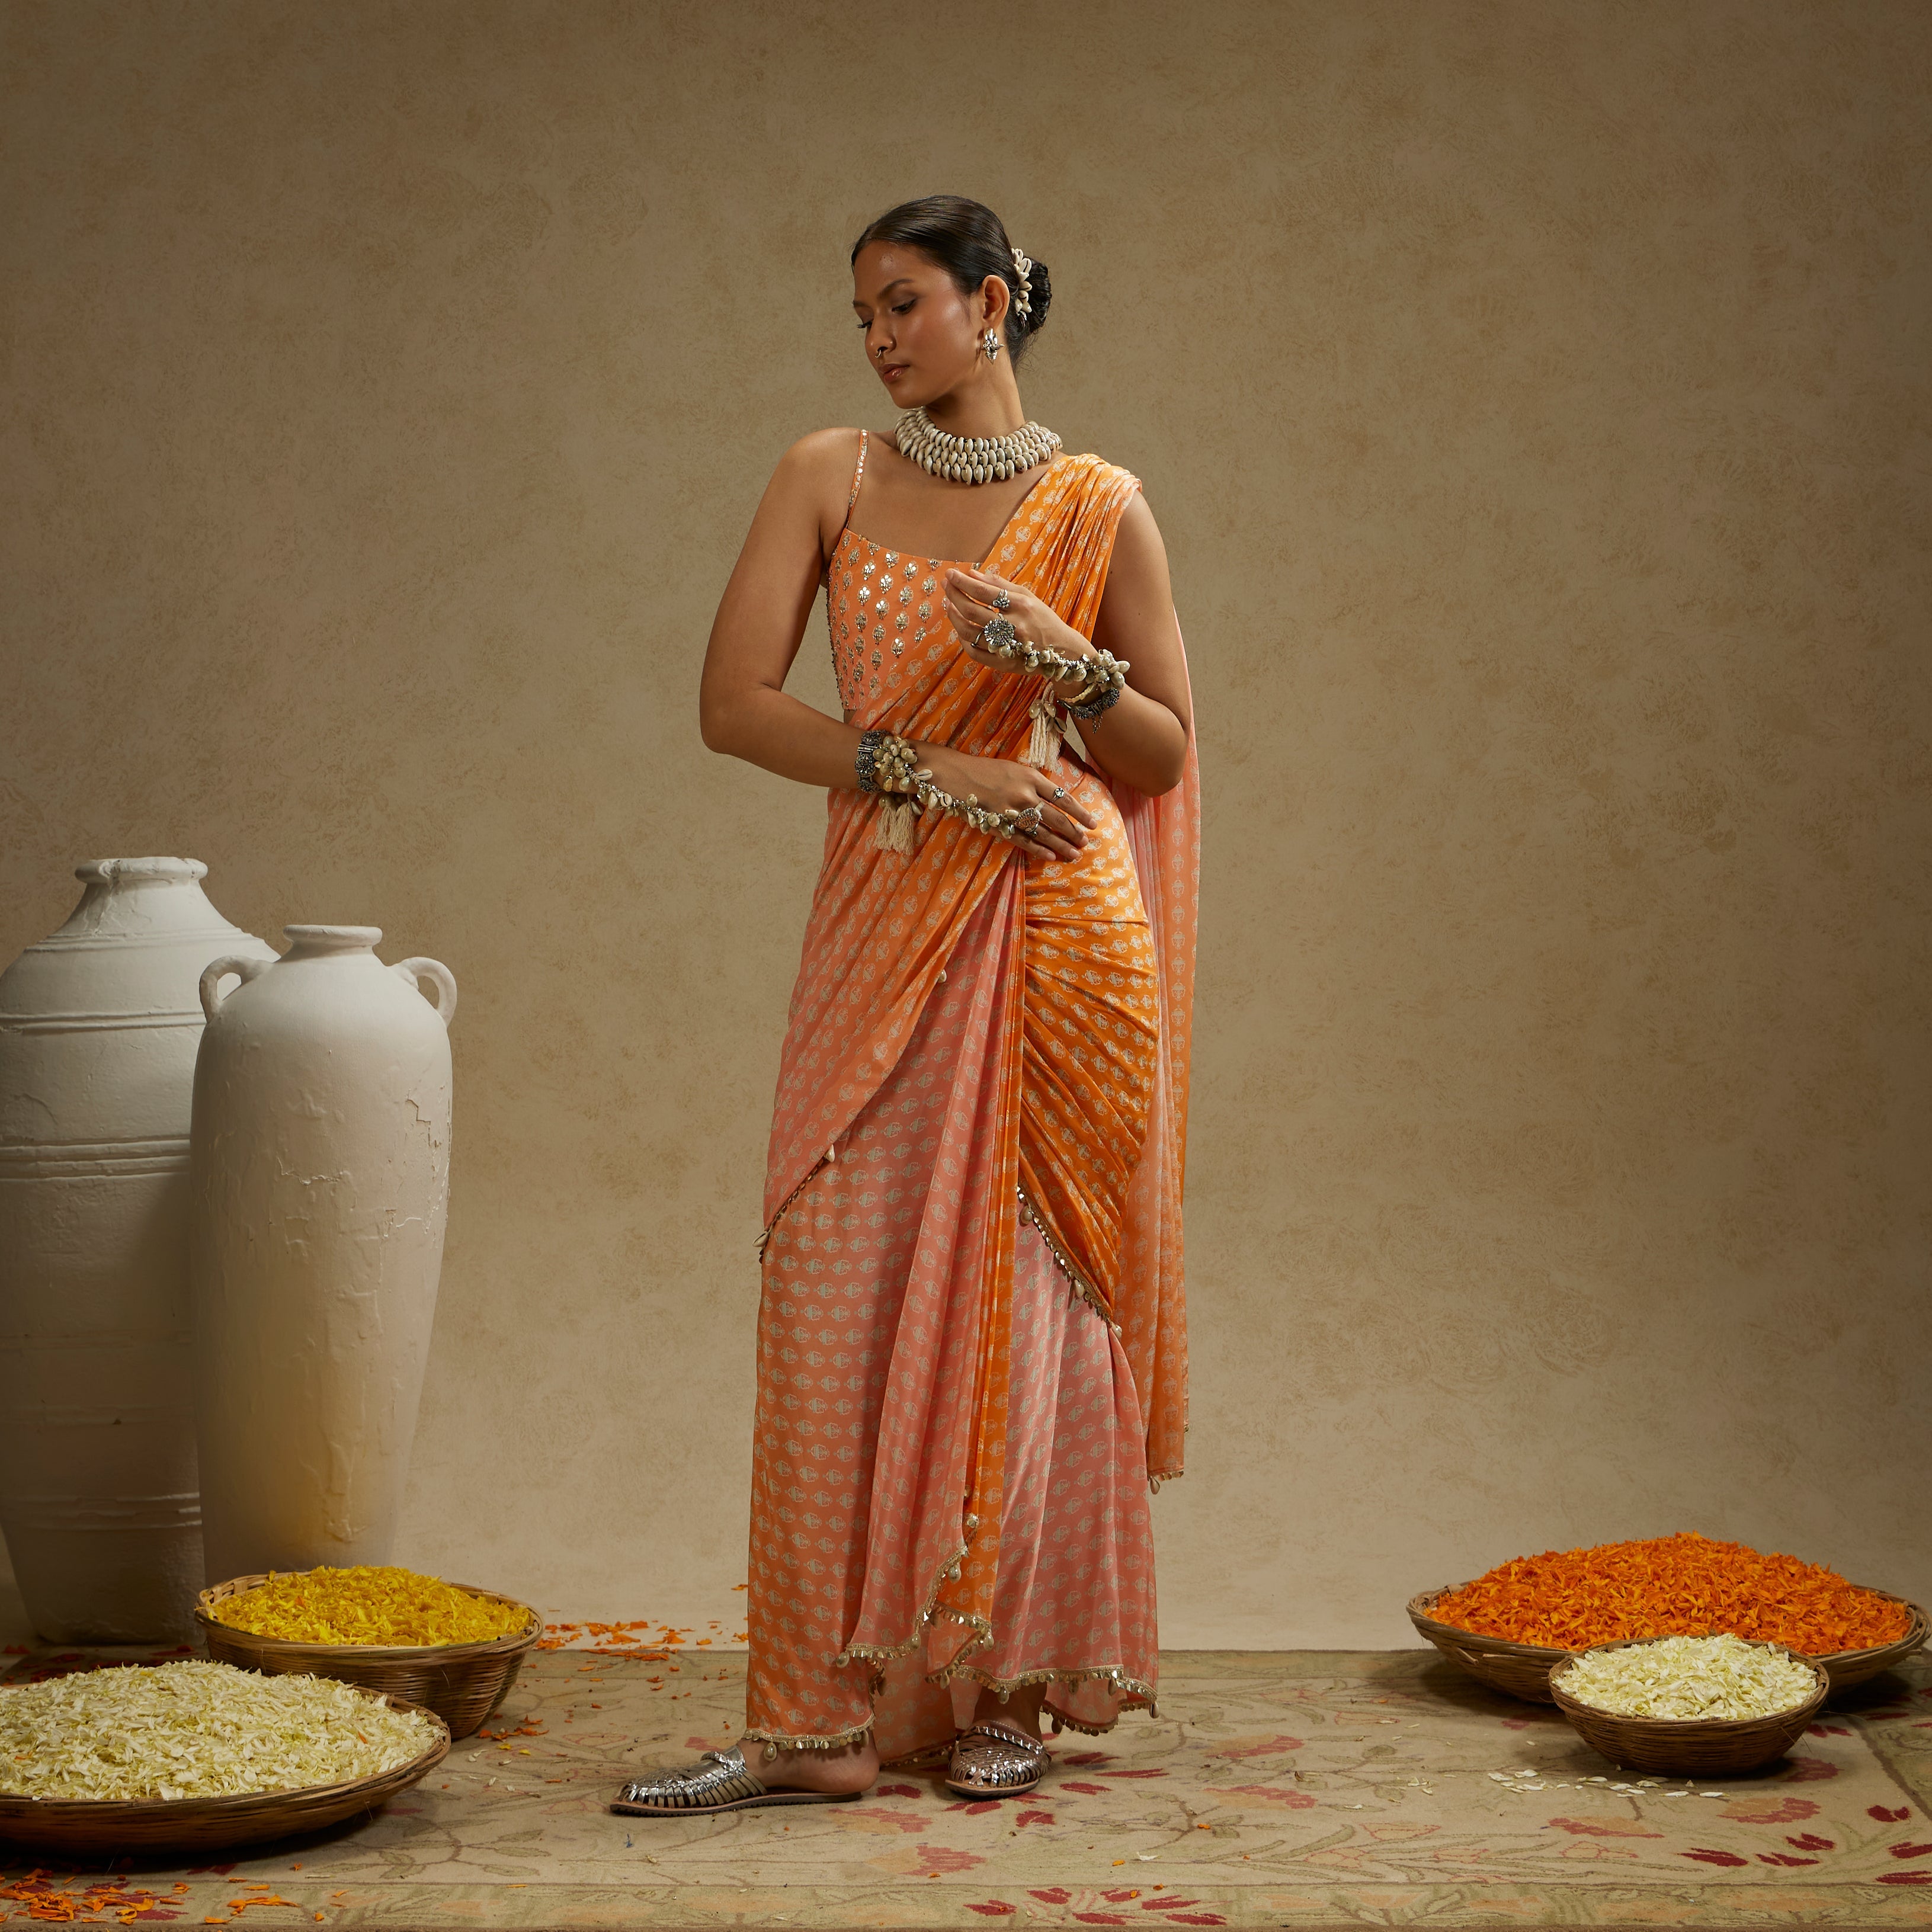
column 825, row 575
column 858, row 475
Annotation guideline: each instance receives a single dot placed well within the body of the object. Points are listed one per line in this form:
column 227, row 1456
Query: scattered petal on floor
column 1273, row 1790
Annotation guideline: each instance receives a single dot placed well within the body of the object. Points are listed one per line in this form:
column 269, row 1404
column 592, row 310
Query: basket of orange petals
column 1514, row 1625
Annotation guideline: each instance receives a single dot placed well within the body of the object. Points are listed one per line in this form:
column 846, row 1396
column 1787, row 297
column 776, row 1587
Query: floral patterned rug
column 1284, row 1789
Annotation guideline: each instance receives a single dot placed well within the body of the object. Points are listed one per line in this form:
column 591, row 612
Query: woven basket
column 1523, row 1670
column 1516, row 1670
column 462, row 1683
column 1691, row 1747
column 117, row 1827
column 1847, row 1667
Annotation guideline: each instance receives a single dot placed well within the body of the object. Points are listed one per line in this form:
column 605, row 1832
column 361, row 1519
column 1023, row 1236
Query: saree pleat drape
column 972, row 1350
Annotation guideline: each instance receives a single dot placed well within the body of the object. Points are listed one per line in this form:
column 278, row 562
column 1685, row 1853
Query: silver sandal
column 719, row 1781
column 989, row 1761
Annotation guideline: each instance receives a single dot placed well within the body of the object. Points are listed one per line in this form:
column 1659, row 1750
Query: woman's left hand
column 970, row 605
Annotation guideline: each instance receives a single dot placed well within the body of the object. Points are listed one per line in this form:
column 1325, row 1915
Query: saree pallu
column 972, row 1351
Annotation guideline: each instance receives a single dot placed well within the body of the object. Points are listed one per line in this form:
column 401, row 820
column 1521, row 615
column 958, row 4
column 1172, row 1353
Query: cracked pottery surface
column 1274, row 1789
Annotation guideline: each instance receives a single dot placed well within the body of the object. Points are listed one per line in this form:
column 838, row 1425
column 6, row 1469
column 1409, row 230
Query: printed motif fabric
column 949, row 1461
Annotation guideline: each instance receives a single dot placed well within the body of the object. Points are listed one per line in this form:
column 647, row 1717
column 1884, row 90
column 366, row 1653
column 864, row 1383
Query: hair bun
column 1039, row 293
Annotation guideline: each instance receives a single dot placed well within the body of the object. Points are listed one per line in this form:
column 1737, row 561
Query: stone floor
column 1279, row 1788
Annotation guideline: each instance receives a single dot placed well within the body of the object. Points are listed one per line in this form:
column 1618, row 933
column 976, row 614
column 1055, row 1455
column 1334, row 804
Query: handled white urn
column 98, row 1028
column 319, row 1193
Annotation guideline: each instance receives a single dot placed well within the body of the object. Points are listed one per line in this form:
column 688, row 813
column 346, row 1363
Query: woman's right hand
column 1002, row 785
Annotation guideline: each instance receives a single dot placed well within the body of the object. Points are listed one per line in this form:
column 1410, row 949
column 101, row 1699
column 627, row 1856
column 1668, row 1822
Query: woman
column 971, row 1350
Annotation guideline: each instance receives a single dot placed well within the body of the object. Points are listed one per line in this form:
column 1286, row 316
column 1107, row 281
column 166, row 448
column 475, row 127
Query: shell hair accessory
column 1023, row 295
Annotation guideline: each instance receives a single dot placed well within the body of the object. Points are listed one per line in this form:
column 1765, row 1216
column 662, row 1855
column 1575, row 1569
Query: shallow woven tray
column 1523, row 1670
column 1847, row 1667
column 462, row 1683
column 119, row 1826
column 1516, row 1670
column 1693, row 1747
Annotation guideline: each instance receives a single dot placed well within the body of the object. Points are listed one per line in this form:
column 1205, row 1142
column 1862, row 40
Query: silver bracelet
column 865, row 760
column 1091, row 707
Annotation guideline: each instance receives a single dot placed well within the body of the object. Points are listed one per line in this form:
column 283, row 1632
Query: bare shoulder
column 1138, row 536
column 813, row 478
column 816, row 461
column 1137, row 572
column 823, row 449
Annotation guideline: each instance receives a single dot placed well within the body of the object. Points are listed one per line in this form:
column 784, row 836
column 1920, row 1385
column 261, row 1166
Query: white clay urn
column 99, row 1025
column 319, row 1191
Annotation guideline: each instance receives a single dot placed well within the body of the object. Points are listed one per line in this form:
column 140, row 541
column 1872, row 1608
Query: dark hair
column 969, row 241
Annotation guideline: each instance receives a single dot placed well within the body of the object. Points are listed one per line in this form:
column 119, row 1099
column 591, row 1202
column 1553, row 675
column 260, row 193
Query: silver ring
column 997, row 637
column 1060, row 792
column 1029, row 820
column 1002, row 601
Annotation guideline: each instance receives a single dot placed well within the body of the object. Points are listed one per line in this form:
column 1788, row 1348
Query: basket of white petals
column 1697, row 1705
column 198, row 1756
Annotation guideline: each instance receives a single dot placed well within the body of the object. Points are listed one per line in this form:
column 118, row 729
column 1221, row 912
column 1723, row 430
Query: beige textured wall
column 1534, row 396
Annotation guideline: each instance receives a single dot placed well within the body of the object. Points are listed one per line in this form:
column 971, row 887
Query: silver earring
column 991, row 346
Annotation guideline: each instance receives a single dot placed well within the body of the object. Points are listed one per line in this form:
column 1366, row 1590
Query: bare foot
column 845, row 1767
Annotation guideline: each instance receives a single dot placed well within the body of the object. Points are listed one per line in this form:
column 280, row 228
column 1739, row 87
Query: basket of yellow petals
column 451, row 1647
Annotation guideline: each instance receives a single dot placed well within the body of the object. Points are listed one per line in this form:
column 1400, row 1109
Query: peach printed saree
column 972, row 1351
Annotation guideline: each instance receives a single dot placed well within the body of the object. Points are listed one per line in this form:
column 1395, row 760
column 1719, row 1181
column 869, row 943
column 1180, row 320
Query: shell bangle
column 885, row 763
column 888, row 768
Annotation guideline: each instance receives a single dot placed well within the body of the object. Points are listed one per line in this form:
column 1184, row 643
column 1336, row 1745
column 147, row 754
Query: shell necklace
column 972, row 459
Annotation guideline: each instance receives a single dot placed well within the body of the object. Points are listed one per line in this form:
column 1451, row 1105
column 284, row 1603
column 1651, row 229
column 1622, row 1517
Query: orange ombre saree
column 972, row 1352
